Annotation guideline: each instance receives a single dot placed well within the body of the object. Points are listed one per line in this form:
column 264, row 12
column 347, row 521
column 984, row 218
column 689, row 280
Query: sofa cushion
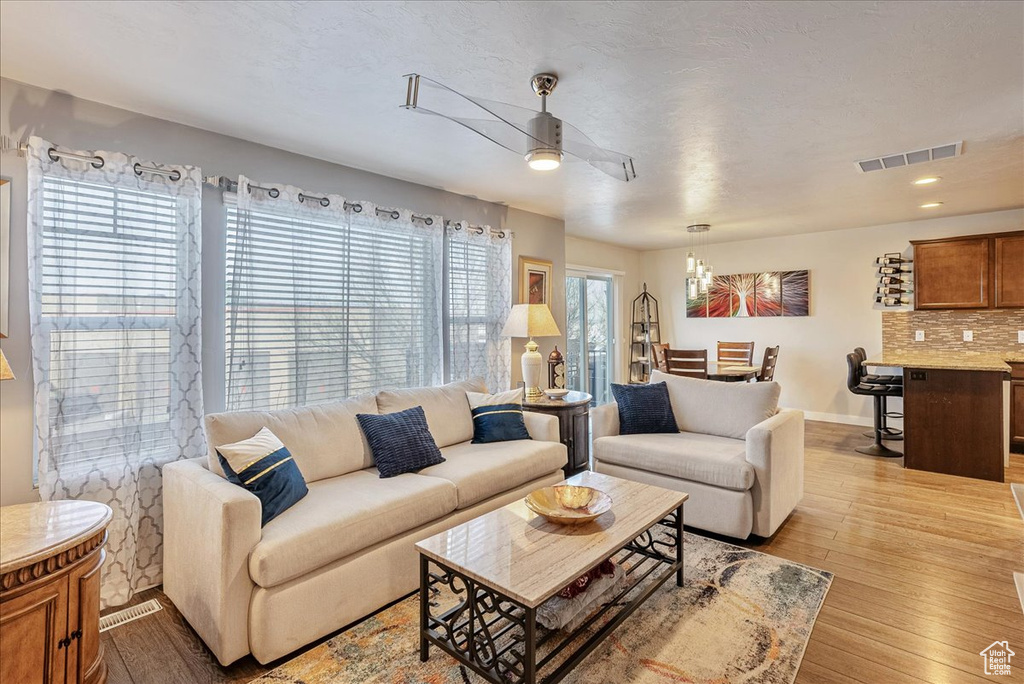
column 324, row 439
column 480, row 471
column 344, row 515
column 644, row 409
column 718, row 461
column 446, row 408
column 497, row 417
column 726, row 409
column 263, row 465
column 400, row 441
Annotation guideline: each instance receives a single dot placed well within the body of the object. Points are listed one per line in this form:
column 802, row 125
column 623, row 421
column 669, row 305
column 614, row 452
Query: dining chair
column 659, row 356
column 771, row 355
column 691, row 363
column 737, row 353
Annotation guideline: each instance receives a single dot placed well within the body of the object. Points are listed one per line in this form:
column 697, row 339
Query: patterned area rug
column 742, row 616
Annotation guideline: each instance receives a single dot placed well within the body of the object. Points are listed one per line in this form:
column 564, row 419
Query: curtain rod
column 98, row 162
column 231, row 185
column 7, row 144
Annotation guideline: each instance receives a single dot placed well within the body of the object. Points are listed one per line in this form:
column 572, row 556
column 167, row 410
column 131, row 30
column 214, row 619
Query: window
column 108, row 277
column 320, row 309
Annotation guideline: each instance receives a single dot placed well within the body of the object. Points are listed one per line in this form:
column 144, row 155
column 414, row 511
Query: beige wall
column 71, row 122
column 603, row 257
column 812, row 358
column 542, row 237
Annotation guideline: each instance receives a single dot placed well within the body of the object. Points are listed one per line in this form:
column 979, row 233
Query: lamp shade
column 5, row 369
column 530, row 320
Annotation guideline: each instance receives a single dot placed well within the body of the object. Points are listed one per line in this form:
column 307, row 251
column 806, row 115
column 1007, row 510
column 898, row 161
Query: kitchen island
column 955, row 410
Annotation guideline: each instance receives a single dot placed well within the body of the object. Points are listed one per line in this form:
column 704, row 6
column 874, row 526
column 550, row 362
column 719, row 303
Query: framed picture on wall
column 534, row 281
column 5, row 253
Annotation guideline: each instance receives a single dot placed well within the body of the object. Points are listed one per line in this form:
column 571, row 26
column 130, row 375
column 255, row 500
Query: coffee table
column 498, row 568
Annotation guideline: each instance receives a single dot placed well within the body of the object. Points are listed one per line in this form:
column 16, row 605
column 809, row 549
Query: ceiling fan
column 543, row 139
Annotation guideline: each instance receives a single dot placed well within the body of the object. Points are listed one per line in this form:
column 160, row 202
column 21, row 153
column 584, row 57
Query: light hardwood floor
column 924, row 578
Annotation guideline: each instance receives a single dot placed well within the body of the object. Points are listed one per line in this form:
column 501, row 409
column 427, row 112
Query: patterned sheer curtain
column 479, row 300
column 328, row 298
column 114, row 263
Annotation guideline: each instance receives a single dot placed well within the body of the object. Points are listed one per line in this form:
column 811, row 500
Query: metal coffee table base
column 498, row 637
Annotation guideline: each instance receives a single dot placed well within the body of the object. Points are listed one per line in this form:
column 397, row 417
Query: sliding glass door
column 590, row 354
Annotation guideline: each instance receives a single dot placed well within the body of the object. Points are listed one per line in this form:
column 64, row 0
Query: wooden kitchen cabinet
column 51, row 554
column 953, row 422
column 1017, row 407
column 1009, row 271
column 969, row 272
column 953, row 273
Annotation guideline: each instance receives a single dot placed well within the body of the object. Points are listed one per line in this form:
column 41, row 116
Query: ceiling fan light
column 544, row 160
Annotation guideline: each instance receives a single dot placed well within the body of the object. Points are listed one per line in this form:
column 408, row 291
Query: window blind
column 108, row 284
column 320, row 310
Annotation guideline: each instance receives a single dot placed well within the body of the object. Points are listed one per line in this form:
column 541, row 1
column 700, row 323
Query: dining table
column 731, row 372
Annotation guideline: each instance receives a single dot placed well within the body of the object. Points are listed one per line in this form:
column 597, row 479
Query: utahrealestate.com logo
column 997, row 658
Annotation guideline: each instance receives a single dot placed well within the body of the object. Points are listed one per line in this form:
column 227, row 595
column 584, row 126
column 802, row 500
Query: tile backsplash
column 994, row 330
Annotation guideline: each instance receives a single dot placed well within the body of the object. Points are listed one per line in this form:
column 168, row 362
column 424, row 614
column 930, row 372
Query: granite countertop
column 952, row 360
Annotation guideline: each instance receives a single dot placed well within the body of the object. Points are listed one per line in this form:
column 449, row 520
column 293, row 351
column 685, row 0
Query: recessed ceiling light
column 928, row 181
column 931, row 205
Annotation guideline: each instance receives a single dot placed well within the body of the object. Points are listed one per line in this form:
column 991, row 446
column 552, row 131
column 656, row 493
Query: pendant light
column 698, row 265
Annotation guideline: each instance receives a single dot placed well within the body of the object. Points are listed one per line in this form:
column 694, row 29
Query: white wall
column 71, row 122
column 812, row 358
column 603, row 257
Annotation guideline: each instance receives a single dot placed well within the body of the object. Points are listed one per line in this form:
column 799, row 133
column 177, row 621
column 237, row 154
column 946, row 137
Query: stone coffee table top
column 530, row 559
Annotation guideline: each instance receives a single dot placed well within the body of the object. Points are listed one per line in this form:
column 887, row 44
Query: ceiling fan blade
column 507, row 125
column 498, row 132
column 615, row 164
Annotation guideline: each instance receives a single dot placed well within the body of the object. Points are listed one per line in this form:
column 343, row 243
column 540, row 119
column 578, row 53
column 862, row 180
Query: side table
column 50, row 558
column 573, row 413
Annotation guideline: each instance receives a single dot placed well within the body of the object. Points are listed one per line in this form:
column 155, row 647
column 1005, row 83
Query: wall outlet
column 919, row 336
column 968, row 335
column 1020, row 337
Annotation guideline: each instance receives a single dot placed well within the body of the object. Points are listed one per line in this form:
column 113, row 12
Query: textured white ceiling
column 748, row 116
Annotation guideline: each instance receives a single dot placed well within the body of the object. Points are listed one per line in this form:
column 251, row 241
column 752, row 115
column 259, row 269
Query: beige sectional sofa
column 345, row 549
column 738, row 456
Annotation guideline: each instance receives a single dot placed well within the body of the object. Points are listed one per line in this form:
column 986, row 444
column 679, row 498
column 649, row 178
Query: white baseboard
column 838, row 418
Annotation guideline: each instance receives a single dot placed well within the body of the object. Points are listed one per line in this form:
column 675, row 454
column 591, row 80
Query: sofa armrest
column 605, row 420
column 775, row 447
column 542, row 426
column 210, row 526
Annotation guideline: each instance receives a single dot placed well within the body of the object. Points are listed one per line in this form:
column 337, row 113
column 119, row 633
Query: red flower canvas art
column 746, row 295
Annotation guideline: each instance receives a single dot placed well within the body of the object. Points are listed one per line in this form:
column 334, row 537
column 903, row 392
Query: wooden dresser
column 50, row 558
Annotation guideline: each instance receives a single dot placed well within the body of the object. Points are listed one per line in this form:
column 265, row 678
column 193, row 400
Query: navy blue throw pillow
column 497, row 417
column 644, row 409
column 265, row 467
column 401, row 442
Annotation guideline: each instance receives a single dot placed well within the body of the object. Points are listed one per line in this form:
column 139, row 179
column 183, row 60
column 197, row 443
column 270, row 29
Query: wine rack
column 895, row 288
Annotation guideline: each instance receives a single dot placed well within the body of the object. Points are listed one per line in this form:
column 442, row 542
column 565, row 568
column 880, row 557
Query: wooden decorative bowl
column 569, row 504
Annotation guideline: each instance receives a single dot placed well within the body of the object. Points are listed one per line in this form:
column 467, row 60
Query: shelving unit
column 895, row 287
column 644, row 331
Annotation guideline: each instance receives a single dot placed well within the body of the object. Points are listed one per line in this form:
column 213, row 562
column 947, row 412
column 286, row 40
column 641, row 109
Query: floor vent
column 893, row 161
column 125, row 616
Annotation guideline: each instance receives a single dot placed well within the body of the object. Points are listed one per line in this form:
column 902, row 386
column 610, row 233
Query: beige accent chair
column 738, row 456
column 345, row 549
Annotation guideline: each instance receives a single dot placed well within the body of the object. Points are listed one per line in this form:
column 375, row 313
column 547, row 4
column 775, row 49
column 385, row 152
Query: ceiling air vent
column 893, row 161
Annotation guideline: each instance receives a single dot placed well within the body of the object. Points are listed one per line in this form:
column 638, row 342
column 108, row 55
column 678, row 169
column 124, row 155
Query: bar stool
column 855, row 383
column 888, row 433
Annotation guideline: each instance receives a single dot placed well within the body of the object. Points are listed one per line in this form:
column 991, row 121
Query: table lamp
column 531, row 320
column 5, row 368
